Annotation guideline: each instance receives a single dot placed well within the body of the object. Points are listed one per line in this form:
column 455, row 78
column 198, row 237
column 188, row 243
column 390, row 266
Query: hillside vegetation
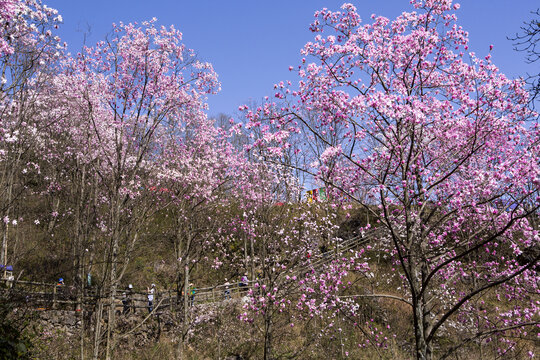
column 420, row 240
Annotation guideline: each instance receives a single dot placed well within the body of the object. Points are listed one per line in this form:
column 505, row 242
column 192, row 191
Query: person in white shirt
column 227, row 289
column 150, row 293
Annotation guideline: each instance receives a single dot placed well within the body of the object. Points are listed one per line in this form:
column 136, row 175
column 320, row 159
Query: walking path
column 47, row 296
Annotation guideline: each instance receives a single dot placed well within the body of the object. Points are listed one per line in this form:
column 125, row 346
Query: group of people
column 127, row 299
column 150, row 295
column 128, row 302
column 243, row 285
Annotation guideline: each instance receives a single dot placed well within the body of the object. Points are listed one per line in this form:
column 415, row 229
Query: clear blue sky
column 251, row 43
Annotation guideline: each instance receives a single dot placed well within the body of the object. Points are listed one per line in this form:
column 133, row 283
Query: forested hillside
column 383, row 205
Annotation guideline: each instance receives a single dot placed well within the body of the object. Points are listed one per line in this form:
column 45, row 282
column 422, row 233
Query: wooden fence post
column 54, row 297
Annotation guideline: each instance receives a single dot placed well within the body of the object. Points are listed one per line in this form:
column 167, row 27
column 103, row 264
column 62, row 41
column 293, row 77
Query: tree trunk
column 3, row 258
column 113, row 279
column 253, row 275
column 422, row 326
column 245, row 254
column 97, row 327
column 3, row 255
column 268, row 328
column 78, row 252
column 423, row 349
column 180, row 350
column 10, row 183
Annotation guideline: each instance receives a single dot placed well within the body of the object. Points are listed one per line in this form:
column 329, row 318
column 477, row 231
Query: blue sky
column 252, row 43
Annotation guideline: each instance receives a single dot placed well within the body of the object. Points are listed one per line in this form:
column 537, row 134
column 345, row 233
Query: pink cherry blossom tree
column 200, row 180
column 439, row 140
column 286, row 238
column 28, row 49
column 134, row 90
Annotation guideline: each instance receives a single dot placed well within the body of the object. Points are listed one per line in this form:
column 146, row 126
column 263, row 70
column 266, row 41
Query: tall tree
column 28, row 52
column 439, row 140
column 139, row 86
column 200, row 175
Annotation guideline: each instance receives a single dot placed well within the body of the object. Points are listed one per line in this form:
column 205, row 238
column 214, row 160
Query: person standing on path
column 60, row 285
column 150, row 293
column 191, row 292
column 227, row 290
column 244, row 283
column 127, row 300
